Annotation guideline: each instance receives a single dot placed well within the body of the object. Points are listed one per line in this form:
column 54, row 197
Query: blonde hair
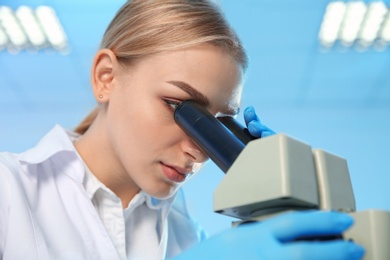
column 145, row 27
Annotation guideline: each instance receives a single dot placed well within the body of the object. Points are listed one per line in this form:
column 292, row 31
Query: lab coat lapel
column 84, row 215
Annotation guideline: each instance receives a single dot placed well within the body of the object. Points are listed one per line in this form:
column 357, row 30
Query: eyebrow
column 197, row 96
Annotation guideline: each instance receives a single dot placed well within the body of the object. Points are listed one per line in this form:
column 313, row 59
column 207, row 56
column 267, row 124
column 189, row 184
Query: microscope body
column 276, row 174
column 271, row 175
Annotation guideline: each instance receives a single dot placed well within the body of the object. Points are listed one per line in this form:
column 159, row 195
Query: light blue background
column 337, row 100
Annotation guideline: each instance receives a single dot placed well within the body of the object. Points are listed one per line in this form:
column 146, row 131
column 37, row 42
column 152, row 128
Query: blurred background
column 319, row 72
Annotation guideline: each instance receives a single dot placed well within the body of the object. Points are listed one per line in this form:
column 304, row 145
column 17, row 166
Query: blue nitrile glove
column 255, row 127
column 274, row 239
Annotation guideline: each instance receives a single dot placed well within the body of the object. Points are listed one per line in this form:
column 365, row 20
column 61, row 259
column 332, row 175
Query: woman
column 111, row 190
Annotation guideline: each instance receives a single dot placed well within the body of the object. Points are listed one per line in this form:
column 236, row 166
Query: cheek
column 140, row 127
column 134, row 127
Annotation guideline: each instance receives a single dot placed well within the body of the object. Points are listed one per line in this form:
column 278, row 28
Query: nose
column 191, row 149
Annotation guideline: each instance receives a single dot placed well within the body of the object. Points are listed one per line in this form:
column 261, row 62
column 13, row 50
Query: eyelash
column 172, row 104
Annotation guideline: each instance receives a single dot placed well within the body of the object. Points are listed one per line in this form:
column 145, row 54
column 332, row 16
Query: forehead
column 207, row 69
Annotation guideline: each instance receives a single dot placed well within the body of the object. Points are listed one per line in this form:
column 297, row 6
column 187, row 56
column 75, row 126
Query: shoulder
column 7, row 171
column 54, row 154
column 8, row 167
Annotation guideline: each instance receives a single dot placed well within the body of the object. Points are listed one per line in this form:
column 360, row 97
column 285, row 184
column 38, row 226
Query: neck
column 97, row 154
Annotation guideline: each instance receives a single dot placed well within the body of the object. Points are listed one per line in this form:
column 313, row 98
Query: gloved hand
column 255, row 127
column 274, row 239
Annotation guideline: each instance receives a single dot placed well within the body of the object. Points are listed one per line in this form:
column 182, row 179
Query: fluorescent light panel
column 372, row 22
column 331, row 23
column 3, row 38
column 384, row 34
column 355, row 23
column 26, row 28
column 352, row 21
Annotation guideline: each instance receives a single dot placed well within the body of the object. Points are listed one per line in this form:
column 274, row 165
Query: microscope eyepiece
column 220, row 144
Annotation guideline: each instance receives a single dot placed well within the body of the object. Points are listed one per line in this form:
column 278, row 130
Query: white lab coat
column 45, row 212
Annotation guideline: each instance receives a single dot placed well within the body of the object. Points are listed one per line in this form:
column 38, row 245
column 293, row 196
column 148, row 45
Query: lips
column 175, row 174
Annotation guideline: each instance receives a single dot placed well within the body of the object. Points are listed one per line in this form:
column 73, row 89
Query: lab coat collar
column 58, row 142
column 92, row 185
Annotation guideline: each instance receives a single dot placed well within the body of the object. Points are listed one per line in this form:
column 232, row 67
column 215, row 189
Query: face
column 151, row 150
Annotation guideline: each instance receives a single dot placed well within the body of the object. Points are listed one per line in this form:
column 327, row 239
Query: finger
column 335, row 250
column 257, row 129
column 295, row 225
column 250, row 115
column 267, row 133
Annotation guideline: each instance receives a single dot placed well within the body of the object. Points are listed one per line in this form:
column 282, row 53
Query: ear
column 103, row 74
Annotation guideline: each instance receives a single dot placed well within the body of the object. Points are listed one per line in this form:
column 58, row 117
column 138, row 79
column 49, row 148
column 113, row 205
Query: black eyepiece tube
column 208, row 133
column 237, row 129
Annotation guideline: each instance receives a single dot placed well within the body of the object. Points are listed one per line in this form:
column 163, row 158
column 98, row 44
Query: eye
column 172, row 104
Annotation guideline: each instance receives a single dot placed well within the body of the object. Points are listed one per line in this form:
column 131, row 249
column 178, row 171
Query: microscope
column 271, row 175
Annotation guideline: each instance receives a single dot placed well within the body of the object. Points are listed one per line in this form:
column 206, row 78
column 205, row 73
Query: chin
column 163, row 194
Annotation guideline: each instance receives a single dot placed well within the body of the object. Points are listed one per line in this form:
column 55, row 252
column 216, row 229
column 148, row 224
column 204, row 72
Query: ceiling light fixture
column 384, row 33
column 52, row 27
column 29, row 29
column 17, row 38
column 355, row 23
column 3, row 39
column 352, row 21
column 372, row 22
column 331, row 23
column 31, row 26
